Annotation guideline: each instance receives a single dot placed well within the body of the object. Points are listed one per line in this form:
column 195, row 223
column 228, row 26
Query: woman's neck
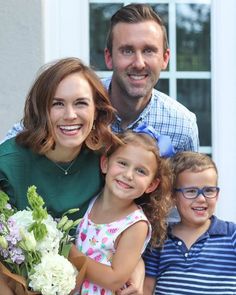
column 62, row 155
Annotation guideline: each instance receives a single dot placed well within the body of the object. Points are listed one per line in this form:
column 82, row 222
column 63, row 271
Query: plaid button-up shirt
column 167, row 117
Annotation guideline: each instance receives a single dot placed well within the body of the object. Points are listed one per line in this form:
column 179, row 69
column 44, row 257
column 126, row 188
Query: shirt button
column 186, row 254
column 179, row 243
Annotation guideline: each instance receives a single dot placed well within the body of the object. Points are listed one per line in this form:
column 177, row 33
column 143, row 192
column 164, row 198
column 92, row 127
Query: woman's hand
column 4, row 289
column 135, row 284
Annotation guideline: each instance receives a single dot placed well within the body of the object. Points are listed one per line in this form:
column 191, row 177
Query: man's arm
column 194, row 137
column 17, row 128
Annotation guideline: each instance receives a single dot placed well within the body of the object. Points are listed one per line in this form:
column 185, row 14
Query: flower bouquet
column 34, row 249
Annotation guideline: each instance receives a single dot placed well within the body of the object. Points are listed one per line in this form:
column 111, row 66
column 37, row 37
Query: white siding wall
column 20, row 56
column 66, row 29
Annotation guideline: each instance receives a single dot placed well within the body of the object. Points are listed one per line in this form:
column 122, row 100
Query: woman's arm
column 124, row 261
column 135, row 283
column 149, row 285
column 4, row 289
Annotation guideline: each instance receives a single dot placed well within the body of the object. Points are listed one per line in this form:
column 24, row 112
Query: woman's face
column 72, row 113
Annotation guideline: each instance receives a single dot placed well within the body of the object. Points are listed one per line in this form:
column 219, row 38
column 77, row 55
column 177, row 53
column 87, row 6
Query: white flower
column 53, row 275
column 50, row 244
column 37, row 260
column 23, row 219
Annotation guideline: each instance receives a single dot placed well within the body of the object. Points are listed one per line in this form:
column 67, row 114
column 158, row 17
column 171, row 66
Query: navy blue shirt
column 207, row 268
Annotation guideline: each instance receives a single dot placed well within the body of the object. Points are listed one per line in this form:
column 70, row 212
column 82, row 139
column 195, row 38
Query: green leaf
column 34, row 199
column 62, row 222
column 3, row 200
column 71, row 211
column 36, row 203
column 39, row 230
column 68, row 225
column 65, row 250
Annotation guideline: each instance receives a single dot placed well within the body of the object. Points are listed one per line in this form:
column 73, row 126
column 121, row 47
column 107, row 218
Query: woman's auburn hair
column 38, row 130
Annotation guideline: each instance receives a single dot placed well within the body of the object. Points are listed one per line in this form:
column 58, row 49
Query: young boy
column 199, row 255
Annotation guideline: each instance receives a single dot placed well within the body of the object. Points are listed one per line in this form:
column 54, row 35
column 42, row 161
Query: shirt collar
column 217, row 228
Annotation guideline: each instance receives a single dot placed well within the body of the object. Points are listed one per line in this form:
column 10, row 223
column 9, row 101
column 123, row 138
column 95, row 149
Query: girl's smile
column 130, row 172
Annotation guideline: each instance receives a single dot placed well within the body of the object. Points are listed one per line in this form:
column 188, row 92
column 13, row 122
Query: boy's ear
column 153, row 185
column 104, row 164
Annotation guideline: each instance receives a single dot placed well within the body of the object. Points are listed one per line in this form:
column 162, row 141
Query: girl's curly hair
column 156, row 205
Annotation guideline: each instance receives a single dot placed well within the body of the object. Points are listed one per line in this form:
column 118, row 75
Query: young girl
column 199, row 255
column 115, row 230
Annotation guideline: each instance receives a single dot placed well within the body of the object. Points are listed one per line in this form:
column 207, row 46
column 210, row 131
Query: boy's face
column 196, row 212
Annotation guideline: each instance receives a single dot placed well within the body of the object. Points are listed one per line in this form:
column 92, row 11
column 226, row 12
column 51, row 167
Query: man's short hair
column 135, row 13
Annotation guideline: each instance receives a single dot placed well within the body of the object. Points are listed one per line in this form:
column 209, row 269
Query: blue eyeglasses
column 209, row 192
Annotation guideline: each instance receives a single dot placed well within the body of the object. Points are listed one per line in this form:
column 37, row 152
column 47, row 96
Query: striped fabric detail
column 209, row 267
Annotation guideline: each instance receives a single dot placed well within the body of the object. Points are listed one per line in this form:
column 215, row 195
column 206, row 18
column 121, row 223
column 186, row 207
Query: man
column 137, row 50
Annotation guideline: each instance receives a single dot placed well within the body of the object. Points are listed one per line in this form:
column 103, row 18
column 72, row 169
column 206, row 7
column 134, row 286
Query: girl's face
column 72, row 113
column 196, row 212
column 130, row 172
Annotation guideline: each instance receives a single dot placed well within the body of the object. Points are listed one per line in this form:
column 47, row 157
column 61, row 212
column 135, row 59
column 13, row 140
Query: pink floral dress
column 98, row 242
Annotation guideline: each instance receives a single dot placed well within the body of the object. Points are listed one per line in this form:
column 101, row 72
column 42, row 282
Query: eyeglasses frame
column 200, row 191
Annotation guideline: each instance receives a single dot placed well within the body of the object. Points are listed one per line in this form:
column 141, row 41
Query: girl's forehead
column 134, row 147
column 136, row 154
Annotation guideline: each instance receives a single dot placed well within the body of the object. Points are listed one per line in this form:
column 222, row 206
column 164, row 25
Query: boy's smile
column 196, row 212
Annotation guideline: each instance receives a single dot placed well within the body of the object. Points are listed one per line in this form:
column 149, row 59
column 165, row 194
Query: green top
column 21, row 168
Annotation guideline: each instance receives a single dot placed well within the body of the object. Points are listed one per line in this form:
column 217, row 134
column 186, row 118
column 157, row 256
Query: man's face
column 137, row 58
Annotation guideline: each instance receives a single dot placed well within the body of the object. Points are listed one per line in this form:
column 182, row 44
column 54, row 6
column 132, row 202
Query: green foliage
column 39, row 213
column 3, row 200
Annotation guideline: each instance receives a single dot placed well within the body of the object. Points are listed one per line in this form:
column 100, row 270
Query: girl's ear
column 104, row 164
column 153, row 185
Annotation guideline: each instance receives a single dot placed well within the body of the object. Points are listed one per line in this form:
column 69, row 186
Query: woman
column 66, row 118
